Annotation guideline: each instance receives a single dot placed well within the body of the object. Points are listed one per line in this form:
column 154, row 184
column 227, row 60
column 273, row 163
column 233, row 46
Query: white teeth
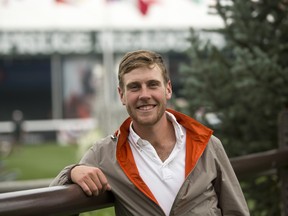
column 145, row 107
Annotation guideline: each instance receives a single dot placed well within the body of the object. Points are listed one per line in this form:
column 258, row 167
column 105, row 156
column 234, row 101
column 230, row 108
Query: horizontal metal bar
column 9, row 186
column 247, row 165
column 57, row 200
column 51, row 125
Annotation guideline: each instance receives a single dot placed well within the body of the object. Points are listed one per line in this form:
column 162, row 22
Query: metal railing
column 71, row 200
column 255, row 164
column 11, row 186
column 57, row 200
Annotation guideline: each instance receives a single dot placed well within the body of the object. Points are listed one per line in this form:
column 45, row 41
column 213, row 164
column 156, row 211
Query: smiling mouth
column 146, row 107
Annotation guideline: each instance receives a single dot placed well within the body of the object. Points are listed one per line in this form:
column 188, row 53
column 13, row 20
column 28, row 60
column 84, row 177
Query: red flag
column 60, row 1
column 144, row 5
column 71, row 2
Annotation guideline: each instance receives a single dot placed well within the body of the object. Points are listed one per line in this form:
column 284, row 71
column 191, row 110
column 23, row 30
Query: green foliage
column 243, row 82
column 260, row 193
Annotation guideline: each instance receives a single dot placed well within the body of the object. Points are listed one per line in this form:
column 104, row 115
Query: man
column 159, row 162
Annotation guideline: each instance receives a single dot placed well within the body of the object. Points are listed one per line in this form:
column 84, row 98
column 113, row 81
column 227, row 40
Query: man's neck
column 161, row 136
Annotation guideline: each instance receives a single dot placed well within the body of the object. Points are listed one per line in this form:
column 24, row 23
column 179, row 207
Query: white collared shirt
column 164, row 179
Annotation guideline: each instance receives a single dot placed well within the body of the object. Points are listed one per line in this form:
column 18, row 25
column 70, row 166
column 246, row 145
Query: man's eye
column 133, row 87
column 153, row 84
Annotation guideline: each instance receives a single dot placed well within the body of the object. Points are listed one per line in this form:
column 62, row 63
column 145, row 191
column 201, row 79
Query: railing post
column 283, row 142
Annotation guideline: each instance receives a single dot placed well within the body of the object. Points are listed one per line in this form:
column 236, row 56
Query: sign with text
column 74, row 42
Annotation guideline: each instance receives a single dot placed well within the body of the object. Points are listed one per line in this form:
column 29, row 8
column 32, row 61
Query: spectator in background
column 18, row 131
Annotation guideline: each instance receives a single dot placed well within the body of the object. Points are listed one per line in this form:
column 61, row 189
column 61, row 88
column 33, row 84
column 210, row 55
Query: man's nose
column 144, row 93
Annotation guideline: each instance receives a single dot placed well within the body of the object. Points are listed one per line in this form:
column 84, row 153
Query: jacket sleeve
column 227, row 187
column 63, row 177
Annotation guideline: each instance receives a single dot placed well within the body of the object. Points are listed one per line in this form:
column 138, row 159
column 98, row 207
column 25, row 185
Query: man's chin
column 147, row 120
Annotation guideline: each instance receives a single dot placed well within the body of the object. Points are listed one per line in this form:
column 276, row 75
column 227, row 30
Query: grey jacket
column 210, row 187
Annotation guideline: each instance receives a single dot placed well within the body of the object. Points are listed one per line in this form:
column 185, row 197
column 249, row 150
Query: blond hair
column 138, row 59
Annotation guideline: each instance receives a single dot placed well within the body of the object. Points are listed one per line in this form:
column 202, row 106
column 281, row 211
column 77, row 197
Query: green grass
column 40, row 161
column 45, row 161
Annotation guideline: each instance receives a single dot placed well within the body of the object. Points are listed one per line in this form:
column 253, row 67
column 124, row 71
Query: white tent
column 104, row 14
column 80, row 27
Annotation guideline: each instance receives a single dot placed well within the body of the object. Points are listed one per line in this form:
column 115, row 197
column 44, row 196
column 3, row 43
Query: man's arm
column 86, row 174
column 63, row 177
column 91, row 179
column 227, row 187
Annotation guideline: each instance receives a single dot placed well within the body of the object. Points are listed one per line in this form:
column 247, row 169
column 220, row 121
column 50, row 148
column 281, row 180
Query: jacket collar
column 199, row 132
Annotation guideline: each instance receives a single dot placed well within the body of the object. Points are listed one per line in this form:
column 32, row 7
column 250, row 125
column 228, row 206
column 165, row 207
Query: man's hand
column 91, row 179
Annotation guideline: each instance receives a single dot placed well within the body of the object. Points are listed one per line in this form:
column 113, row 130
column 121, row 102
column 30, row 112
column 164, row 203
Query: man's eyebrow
column 154, row 81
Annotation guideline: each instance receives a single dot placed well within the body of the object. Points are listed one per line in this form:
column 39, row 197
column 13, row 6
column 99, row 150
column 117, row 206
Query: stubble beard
column 149, row 120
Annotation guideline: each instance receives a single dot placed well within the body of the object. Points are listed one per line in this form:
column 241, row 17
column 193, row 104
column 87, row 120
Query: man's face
column 145, row 95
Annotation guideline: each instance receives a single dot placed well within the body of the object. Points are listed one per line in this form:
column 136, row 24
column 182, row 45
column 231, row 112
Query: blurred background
column 58, row 79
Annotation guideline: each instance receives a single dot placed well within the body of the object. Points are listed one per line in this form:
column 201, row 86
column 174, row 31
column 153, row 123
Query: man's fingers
column 85, row 188
column 91, row 179
column 100, row 181
column 103, row 181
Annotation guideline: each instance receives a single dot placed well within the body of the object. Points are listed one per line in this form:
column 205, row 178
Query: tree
column 245, row 83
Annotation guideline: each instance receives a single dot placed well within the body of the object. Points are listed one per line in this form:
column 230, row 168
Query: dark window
column 25, row 84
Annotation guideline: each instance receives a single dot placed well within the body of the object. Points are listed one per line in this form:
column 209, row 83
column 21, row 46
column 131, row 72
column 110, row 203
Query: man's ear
column 168, row 90
column 121, row 95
